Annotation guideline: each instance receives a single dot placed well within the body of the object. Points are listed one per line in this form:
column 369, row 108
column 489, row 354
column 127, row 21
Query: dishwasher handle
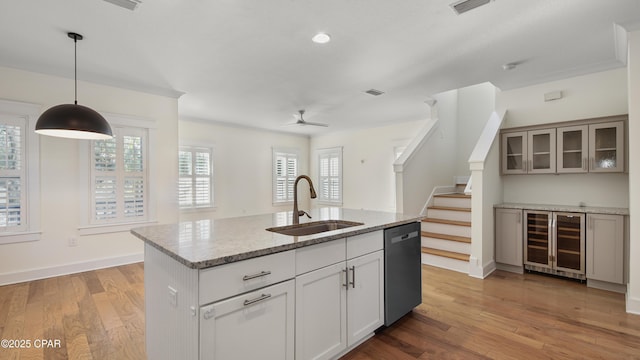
column 404, row 237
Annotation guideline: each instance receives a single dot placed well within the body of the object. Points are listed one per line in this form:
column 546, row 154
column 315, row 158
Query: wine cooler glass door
column 538, row 239
column 569, row 236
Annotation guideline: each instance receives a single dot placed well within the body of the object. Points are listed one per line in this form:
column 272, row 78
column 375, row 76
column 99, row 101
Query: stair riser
column 449, row 215
column 446, row 263
column 447, row 229
column 452, row 202
column 448, row 245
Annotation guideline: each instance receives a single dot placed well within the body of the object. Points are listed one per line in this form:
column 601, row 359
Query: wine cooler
column 554, row 243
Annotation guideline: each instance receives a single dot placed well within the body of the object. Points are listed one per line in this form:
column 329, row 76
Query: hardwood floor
column 100, row 315
column 95, row 315
column 508, row 316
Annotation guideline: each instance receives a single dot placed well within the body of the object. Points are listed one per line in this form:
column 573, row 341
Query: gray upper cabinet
column 591, row 148
column 606, row 147
column 529, row 152
column 596, row 145
column 541, row 151
column 573, row 149
column 514, row 153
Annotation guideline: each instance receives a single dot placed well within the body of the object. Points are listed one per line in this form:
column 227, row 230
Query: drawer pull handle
column 258, row 299
column 255, row 276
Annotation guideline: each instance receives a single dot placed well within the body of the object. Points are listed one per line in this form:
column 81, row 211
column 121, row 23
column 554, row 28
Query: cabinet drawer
column 364, row 244
column 317, row 256
column 256, row 325
column 236, row 278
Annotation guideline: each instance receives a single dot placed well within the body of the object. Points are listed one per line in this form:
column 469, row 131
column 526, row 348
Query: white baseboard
column 603, row 285
column 66, row 269
column 633, row 304
column 478, row 271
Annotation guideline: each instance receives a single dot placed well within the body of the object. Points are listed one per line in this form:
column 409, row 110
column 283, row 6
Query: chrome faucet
column 297, row 213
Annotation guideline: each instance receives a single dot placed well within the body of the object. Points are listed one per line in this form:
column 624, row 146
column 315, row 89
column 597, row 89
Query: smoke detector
column 127, row 4
column 463, row 6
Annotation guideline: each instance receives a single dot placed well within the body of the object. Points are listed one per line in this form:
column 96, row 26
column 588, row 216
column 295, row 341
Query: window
column 285, row 171
column 119, row 177
column 19, row 178
column 12, row 175
column 195, row 186
column 330, row 175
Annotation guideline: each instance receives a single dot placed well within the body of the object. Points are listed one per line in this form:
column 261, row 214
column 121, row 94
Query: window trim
column 87, row 227
column 274, row 152
column 201, row 145
column 338, row 150
column 29, row 112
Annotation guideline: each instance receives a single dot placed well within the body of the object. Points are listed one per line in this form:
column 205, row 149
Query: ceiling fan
column 301, row 121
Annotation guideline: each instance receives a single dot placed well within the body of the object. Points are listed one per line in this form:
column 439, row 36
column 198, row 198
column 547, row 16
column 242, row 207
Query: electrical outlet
column 173, row 297
column 73, row 241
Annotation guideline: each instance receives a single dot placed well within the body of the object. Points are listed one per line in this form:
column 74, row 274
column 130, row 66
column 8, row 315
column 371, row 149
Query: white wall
column 59, row 175
column 242, row 167
column 588, row 96
column 367, row 156
column 475, row 105
column 633, row 289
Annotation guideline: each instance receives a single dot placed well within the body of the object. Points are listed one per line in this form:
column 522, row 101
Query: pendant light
column 73, row 120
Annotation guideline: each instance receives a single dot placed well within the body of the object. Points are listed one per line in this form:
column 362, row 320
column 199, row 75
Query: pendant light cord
column 75, row 69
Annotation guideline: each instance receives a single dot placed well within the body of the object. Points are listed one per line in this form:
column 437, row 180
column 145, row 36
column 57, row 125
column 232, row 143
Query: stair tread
column 445, row 253
column 449, row 222
column 454, row 195
column 462, row 239
column 450, row 208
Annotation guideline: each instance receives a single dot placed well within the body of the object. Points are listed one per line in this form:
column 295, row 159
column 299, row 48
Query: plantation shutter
column 195, row 177
column 330, row 175
column 285, row 173
column 12, row 174
column 119, row 177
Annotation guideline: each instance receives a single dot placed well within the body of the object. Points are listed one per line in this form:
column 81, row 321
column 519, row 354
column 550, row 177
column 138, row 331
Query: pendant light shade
column 72, row 120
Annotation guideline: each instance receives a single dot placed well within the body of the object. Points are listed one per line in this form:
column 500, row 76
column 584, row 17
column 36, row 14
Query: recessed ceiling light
column 321, row 38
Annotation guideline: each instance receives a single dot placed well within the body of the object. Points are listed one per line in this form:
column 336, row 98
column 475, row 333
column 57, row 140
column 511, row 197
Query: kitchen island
column 228, row 288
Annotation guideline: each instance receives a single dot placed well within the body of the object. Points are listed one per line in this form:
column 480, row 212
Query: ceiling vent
column 463, row 6
column 374, row 92
column 127, row 4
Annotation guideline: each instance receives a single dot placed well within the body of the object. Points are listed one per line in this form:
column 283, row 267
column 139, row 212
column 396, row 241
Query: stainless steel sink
column 314, row 227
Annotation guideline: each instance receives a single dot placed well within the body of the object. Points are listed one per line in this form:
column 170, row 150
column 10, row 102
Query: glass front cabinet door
column 606, row 147
column 572, row 149
column 541, row 151
column 514, row 153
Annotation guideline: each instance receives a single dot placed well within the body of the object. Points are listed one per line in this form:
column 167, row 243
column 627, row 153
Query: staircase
column 446, row 232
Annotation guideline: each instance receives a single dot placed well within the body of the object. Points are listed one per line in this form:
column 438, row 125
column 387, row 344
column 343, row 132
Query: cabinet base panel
column 555, row 272
column 604, row 285
column 510, row 268
column 353, row 346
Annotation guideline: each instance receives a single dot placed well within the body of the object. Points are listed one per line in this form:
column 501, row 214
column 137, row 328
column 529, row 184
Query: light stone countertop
column 210, row 242
column 565, row 208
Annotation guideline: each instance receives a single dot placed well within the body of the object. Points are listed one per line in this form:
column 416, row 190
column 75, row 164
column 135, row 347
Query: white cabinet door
column 541, row 151
column 605, row 242
column 573, row 149
column 256, row 325
column 365, row 296
column 321, row 308
column 606, row 147
column 509, row 236
column 514, row 153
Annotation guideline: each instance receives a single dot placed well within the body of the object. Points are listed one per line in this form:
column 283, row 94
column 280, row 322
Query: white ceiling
column 252, row 62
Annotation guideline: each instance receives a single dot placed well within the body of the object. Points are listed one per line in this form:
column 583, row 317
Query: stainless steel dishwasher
column 403, row 272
